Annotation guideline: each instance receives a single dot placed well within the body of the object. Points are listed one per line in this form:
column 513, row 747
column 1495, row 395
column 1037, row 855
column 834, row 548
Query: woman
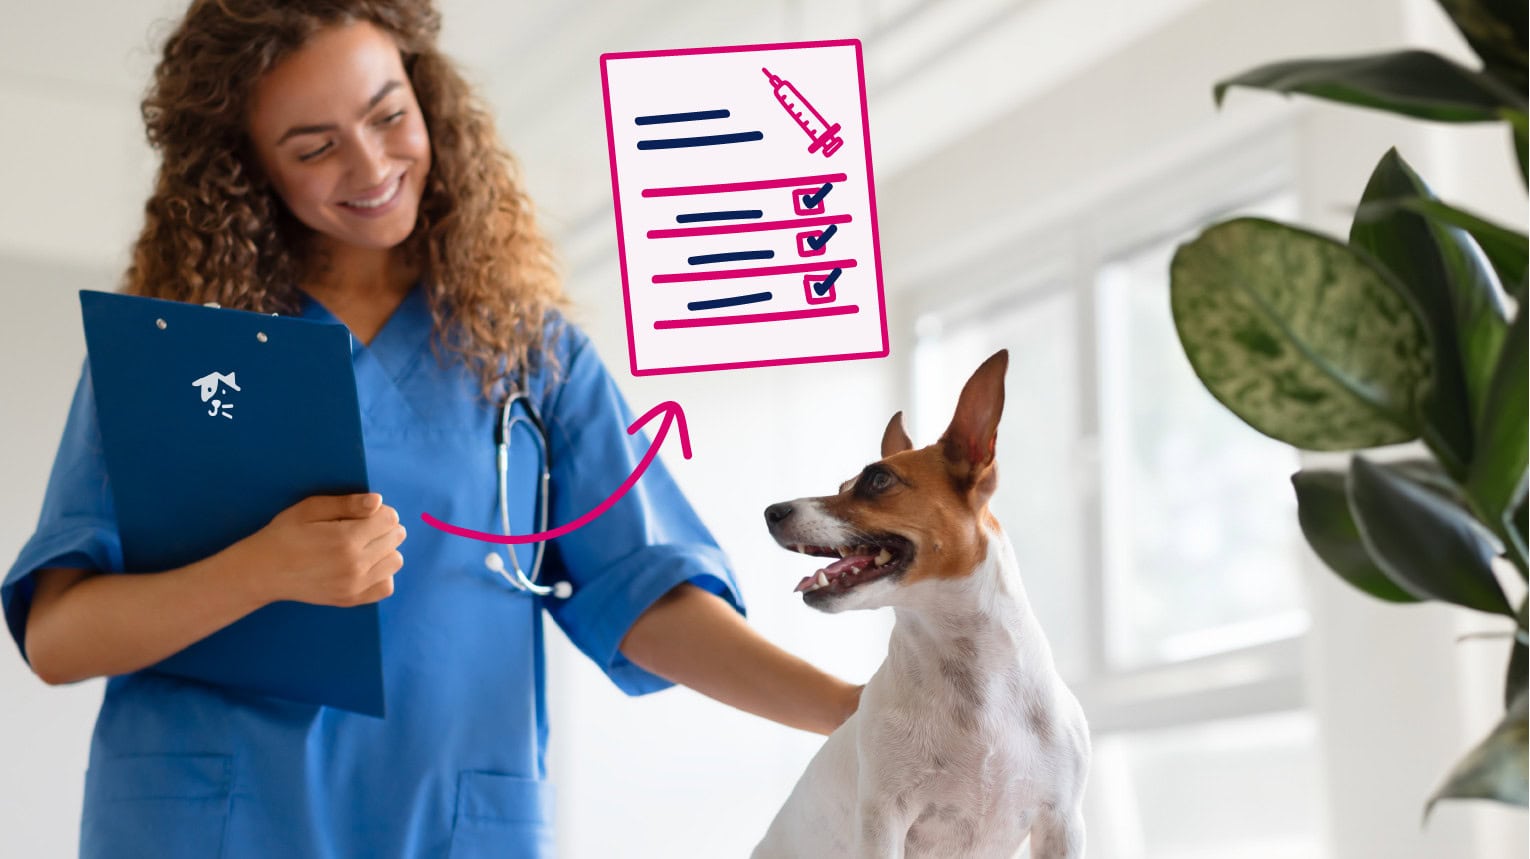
column 324, row 159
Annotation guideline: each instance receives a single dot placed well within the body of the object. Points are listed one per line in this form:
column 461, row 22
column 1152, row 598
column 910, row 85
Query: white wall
column 989, row 120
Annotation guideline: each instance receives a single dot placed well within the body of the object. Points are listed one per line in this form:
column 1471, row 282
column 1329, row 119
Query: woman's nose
column 371, row 164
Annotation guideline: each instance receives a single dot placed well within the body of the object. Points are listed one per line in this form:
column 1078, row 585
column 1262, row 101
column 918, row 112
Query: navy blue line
column 731, row 257
column 710, row 140
column 732, row 215
column 728, row 302
column 681, row 117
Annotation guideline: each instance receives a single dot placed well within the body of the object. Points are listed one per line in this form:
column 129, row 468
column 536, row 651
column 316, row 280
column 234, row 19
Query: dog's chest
column 953, row 748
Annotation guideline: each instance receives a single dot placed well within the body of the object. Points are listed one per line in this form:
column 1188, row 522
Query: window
column 1156, row 532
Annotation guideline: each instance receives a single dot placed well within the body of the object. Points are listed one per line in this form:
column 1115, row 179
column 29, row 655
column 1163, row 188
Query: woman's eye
column 307, row 156
column 393, row 117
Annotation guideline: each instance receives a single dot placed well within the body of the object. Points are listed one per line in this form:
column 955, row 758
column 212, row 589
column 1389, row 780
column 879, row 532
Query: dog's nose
column 776, row 513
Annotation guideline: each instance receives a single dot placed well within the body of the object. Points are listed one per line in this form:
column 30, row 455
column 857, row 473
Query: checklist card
column 745, row 208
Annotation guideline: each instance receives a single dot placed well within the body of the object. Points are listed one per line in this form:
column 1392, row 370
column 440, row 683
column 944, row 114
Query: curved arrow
column 672, row 414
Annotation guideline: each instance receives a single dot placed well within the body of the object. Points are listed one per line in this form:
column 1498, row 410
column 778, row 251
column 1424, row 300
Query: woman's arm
column 325, row 550
column 694, row 638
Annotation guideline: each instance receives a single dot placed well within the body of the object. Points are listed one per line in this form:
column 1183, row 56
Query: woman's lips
column 378, row 204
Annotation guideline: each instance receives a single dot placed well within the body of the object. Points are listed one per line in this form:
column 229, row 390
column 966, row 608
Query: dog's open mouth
column 858, row 563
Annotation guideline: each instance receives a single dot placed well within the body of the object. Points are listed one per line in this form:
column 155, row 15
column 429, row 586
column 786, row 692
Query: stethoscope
column 507, row 422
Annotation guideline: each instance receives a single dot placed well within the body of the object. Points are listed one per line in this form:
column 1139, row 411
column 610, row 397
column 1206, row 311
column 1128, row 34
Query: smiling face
column 337, row 130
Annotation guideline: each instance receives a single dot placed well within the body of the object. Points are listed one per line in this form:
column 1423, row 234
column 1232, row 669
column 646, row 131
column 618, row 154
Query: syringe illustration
column 824, row 133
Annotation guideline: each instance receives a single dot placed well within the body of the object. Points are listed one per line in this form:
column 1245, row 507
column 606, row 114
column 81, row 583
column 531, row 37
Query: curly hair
column 216, row 230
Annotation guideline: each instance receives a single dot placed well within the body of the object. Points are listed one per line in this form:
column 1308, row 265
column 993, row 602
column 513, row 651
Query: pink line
column 743, row 186
column 741, row 319
column 762, row 271
column 748, row 228
column 728, row 49
column 671, row 411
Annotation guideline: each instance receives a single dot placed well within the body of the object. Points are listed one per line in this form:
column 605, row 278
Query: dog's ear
column 895, row 439
column 968, row 442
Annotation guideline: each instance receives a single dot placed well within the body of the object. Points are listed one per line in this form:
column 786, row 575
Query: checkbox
column 801, row 197
column 819, row 288
column 815, row 243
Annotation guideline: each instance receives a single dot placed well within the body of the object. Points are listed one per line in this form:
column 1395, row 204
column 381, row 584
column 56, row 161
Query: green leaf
column 1304, row 338
column 1426, row 545
column 1496, row 30
column 1518, row 131
column 1322, row 508
column 1463, row 306
column 1506, row 249
column 1496, row 481
column 1497, row 768
column 1444, row 273
column 1519, row 663
column 1413, row 83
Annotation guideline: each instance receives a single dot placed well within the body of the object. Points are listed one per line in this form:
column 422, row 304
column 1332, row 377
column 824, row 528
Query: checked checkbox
column 809, row 201
column 820, row 288
column 814, row 243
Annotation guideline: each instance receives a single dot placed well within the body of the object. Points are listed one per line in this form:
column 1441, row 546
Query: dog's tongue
column 847, row 564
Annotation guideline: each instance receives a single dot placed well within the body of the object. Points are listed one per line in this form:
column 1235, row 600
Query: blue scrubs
column 458, row 768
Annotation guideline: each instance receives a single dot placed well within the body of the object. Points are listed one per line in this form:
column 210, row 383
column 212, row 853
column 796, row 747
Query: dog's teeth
column 797, row 547
column 844, row 552
column 883, row 557
column 822, row 579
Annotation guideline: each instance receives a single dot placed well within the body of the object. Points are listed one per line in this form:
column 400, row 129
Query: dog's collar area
column 858, row 563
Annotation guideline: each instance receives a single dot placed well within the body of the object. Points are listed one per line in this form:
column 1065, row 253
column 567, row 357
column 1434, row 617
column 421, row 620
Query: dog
column 966, row 740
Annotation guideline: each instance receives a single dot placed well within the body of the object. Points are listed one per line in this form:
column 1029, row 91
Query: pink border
column 749, row 227
column 725, row 187
column 871, row 193
column 761, row 271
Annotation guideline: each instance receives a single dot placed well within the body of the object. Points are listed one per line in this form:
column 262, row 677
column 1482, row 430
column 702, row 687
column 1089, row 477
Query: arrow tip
column 671, row 411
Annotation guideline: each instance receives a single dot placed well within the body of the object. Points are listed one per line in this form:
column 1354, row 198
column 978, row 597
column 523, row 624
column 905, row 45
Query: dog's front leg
column 878, row 835
column 1057, row 834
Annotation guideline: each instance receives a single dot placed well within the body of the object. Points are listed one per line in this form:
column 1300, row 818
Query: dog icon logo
column 215, row 386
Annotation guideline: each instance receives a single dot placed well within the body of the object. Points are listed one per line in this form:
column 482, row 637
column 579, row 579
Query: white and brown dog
column 966, row 739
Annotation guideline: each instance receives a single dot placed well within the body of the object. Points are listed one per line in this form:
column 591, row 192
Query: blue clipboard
column 212, row 422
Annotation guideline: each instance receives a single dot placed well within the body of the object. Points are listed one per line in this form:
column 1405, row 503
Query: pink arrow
column 672, row 412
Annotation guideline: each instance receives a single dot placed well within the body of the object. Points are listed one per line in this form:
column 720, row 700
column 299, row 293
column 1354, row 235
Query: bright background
column 1037, row 162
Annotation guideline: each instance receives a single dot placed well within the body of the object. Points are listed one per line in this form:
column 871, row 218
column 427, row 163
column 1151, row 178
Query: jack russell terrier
column 966, row 740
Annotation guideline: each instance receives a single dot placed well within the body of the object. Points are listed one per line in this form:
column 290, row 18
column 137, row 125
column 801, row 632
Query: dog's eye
column 876, row 481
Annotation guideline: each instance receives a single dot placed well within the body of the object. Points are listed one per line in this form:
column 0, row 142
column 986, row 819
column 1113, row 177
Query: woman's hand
column 694, row 638
column 335, row 550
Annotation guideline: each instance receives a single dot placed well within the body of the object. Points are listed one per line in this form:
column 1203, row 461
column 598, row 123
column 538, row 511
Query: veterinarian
column 325, row 159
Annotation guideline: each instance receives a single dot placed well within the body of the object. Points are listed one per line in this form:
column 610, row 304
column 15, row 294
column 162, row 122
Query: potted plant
column 1411, row 329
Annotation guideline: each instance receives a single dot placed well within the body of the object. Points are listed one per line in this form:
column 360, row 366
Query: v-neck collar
column 410, row 313
column 393, row 352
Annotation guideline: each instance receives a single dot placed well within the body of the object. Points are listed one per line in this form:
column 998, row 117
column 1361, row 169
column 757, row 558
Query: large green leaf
column 1497, row 768
column 1448, row 278
column 1507, row 250
column 1304, row 338
column 1426, row 545
column 1322, row 508
column 1496, row 481
column 1519, row 128
column 1496, row 30
column 1414, row 83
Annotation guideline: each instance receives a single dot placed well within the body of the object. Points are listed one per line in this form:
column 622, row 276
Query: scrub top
column 458, row 766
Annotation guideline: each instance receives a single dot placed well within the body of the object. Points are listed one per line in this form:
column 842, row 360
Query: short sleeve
column 78, row 524
column 647, row 543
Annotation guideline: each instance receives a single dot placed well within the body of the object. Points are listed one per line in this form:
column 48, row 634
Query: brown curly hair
column 216, row 230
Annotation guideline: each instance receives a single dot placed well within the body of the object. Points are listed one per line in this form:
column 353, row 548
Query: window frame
column 1062, row 245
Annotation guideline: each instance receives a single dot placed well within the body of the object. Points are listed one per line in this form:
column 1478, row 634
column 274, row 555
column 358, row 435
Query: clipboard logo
column 215, row 387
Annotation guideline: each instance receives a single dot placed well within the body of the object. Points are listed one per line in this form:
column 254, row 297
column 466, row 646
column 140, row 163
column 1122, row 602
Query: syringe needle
column 774, row 81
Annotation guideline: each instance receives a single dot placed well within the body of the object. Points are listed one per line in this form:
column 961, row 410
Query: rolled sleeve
column 77, row 527
column 646, row 544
